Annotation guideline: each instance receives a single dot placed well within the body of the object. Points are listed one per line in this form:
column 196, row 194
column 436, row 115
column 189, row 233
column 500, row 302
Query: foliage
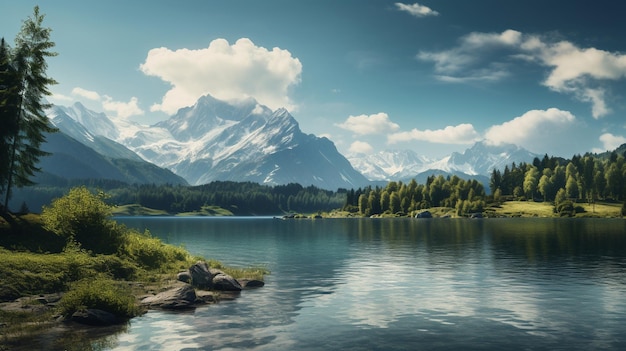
column 85, row 218
column 100, row 293
column 583, row 178
column 23, row 88
column 152, row 253
column 26, row 273
column 222, row 198
column 398, row 198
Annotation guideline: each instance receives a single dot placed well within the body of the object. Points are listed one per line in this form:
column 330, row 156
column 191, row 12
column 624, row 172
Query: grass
column 208, row 211
column 137, row 210
column 546, row 209
column 522, row 209
column 34, row 262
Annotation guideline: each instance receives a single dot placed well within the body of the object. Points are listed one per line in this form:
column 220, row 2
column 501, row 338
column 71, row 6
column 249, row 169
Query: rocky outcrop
column 224, row 282
column 180, row 298
column 202, row 277
column 207, row 280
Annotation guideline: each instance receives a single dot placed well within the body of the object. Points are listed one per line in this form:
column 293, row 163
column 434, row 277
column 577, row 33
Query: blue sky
column 433, row 76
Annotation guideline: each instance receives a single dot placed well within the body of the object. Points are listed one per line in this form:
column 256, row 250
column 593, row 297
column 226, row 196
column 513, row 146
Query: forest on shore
column 564, row 183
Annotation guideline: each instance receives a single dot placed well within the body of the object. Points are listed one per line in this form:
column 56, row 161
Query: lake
column 397, row 284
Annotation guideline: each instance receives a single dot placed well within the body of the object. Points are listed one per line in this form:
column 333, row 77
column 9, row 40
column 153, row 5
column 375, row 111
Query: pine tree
column 27, row 86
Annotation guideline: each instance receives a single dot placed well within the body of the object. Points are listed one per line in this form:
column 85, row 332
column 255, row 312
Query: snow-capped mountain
column 482, row 158
column 68, row 120
column 479, row 160
column 243, row 141
column 95, row 123
column 390, row 164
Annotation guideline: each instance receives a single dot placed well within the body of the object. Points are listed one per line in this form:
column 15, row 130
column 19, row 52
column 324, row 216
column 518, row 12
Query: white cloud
column 467, row 60
column 360, row 147
column 87, row 94
column 460, row 134
column 416, row 9
column 611, row 142
column 225, row 71
column 534, row 129
column 61, row 98
column 572, row 70
column 378, row 123
column 122, row 109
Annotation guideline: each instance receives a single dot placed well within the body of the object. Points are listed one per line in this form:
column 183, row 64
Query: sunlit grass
column 524, row 209
column 209, row 211
column 136, row 210
column 546, row 209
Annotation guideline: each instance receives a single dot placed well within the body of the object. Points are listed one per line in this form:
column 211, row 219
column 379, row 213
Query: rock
column 251, row 283
column 225, row 282
column 177, row 298
column 201, row 277
column 424, row 214
column 95, row 317
column 184, row 277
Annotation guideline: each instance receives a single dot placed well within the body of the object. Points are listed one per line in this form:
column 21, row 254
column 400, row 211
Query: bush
column 84, row 217
column 100, row 293
column 565, row 208
column 149, row 252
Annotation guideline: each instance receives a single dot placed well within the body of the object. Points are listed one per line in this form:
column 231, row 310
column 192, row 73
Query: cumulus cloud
column 459, row 134
column 360, row 147
column 611, row 142
column 87, row 94
column 575, row 70
column 378, row 123
column 581, row 72
column 225, row 71
column 532, row 129
column 122, row 109
column 61, row 98
column 416, row 9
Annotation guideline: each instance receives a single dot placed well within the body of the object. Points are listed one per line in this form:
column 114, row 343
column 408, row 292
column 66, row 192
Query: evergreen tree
column 28, row 88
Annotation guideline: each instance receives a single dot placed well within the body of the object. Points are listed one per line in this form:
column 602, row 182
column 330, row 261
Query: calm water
column 395, row 284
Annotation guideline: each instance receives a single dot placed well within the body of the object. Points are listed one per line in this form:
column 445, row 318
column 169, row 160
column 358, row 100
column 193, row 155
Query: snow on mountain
column 245, row 141
column 482, row 158
column 240, row 141
column 390, row 164
column 479, row 160
column 95, row 123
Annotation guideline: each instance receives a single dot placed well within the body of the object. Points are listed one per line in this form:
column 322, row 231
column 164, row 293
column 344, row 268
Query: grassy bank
column 507, row 209
column 74, row 257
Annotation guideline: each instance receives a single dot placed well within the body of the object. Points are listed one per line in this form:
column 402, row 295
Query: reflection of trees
column 72, row 338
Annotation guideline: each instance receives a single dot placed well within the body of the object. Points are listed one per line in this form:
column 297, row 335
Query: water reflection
column 393, row 284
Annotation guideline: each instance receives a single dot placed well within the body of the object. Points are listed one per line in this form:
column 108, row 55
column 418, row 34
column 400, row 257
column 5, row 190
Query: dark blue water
column 397, row 284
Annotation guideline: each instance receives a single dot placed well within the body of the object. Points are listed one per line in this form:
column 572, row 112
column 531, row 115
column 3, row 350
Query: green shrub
column 84, row 217
column 100, row 293
column 565, row 208
column 151, row 253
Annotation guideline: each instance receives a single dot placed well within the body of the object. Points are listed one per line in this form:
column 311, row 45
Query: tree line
column 563, row 182
column 467, row 196
column 240, row 198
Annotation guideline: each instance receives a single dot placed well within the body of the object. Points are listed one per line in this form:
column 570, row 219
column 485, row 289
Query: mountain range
column 245, row 141
column 475, row 162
